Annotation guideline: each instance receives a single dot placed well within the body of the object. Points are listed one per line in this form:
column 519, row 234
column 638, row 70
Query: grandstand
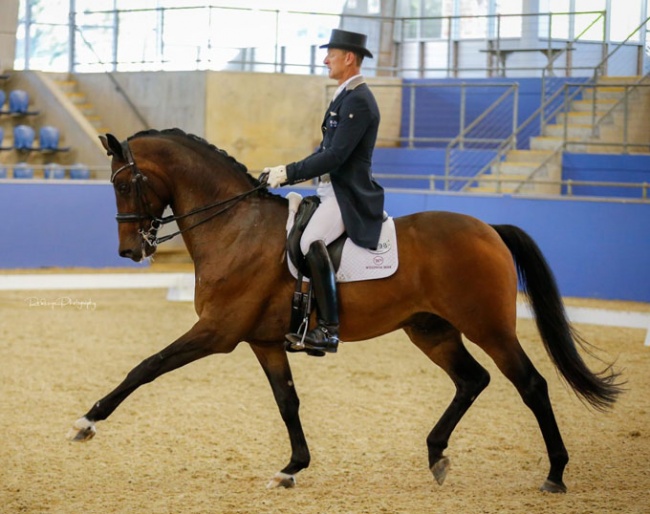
column 495, row 110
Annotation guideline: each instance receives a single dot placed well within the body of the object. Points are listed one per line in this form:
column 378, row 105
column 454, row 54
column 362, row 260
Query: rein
column 150, row 236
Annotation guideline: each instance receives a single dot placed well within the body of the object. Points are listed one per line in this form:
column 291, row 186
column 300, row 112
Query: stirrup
column 320, row 339
column 291, row 347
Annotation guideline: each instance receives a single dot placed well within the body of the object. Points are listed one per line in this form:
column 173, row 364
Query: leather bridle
column 143, row 213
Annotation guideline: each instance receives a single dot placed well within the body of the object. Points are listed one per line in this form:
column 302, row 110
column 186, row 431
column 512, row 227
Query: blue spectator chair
column 54, row 171
column 49, row 139
column 3, row 172
column 23, row 170
column 18, row 101
column 24, row 137
column 3, row 97
column 79, row 172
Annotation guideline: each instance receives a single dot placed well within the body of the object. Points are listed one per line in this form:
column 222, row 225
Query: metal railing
column 596, row 119
column 475, row 127
column 568, row 185
column 486, row 132
column 557, row 103
column 281, row 50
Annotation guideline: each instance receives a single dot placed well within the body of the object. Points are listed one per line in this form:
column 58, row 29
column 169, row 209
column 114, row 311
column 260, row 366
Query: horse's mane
column 197, row 139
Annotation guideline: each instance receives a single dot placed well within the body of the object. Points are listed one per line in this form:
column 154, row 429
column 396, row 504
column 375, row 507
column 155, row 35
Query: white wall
column 8, row 27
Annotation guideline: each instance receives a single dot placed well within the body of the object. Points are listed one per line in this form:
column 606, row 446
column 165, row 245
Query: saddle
column 305, row 211
column 351, row 262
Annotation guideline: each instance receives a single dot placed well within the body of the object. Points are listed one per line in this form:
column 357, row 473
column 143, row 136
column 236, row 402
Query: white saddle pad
column 357, row 263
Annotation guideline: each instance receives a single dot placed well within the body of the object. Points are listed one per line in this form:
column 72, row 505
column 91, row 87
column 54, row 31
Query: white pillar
column 530, row 24
column 8, row 28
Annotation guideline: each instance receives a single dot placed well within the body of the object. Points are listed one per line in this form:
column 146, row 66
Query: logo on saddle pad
column 356, row 263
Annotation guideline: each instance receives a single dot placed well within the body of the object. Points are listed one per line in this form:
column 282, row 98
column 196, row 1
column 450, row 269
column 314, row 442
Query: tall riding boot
column 325, row 337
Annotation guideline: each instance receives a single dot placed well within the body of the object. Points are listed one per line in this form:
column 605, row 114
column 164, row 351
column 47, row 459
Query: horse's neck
column 232, row 239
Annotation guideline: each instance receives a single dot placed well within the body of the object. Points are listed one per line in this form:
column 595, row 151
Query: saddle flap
column 306, row 210
column 351, row 262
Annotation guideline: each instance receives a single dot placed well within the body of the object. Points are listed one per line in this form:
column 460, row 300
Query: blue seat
column 79, row 172
column 54, row 171
column 48, row 137
column 18, row 101
column 23, row 170
column 3, row 97
column 3, row 172
column 24, row 137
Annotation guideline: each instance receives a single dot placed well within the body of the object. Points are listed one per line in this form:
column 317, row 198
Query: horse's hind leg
column 517, row 367
column 443, row 345
column 275, row 364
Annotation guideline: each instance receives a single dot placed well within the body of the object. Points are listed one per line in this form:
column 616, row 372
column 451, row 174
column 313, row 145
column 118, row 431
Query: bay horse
column 457, row 276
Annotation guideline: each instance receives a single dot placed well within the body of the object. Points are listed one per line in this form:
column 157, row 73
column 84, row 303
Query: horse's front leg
column 200, row 341
column 273, row 359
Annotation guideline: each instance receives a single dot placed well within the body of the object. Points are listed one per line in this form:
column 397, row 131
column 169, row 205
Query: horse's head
column 139, row 205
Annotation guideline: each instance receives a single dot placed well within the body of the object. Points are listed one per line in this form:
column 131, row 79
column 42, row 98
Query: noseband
column 150, row 236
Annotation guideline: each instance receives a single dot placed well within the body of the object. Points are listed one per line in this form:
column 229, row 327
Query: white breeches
column 327, row 223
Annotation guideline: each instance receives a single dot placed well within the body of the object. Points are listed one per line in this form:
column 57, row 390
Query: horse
column 458, row 276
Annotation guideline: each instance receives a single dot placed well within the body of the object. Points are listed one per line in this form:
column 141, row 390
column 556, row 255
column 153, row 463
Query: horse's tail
column 538, row 283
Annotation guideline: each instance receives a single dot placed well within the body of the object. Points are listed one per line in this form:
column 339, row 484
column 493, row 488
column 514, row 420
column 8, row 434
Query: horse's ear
column 112, row 146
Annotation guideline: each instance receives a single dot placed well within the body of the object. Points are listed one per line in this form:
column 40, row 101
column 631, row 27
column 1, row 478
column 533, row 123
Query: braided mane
column 180, row 133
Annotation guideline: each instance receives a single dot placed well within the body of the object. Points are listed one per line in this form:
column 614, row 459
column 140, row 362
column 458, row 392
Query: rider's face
column 337, row 61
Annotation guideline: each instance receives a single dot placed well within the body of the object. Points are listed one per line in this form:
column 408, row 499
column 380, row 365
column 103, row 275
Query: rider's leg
column 325, row 336
column 325, row 227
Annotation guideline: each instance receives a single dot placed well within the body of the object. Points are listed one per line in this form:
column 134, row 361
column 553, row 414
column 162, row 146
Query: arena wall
column 598, row 249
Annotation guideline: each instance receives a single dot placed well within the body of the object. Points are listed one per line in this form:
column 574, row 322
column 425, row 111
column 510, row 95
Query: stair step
column 77, row 98
column 70, row 88
column 619, row 79
column 67, row 86
column 587, row 105
column 579, row 117
column 516, row 169
column 87, row 109
column 607, row 92
column 537, row 156
column 573, row 130
column 497, row 183
column 545, row 143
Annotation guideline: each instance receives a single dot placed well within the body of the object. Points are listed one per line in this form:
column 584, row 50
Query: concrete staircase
column 519, row 165
column 71, row 89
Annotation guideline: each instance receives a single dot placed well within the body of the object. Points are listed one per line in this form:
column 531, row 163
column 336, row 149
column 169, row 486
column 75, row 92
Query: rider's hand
column 277, row 175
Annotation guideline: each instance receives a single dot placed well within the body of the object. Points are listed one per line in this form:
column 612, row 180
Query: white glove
column 277, row 175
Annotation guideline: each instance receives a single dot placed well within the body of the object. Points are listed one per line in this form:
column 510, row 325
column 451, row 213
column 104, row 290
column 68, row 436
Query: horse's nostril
column 127, row 254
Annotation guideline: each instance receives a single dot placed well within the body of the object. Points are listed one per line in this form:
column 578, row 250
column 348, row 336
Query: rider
column 350, row 199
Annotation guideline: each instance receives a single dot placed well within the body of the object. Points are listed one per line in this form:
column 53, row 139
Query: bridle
column 150, row 236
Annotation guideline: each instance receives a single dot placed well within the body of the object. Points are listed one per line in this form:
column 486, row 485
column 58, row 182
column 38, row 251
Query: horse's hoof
column 440, row 469
column 552, row 487
column 282, row 480
column 83, row 430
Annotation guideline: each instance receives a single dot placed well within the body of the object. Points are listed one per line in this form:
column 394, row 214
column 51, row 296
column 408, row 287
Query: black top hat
column 346, row 40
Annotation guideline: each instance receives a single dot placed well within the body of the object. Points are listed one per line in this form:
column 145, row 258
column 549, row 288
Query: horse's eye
column 123, row 188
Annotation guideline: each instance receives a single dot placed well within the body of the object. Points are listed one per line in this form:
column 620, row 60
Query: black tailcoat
column 349, row 133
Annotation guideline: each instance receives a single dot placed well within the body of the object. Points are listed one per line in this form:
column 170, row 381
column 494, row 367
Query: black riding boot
column 325, row 337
